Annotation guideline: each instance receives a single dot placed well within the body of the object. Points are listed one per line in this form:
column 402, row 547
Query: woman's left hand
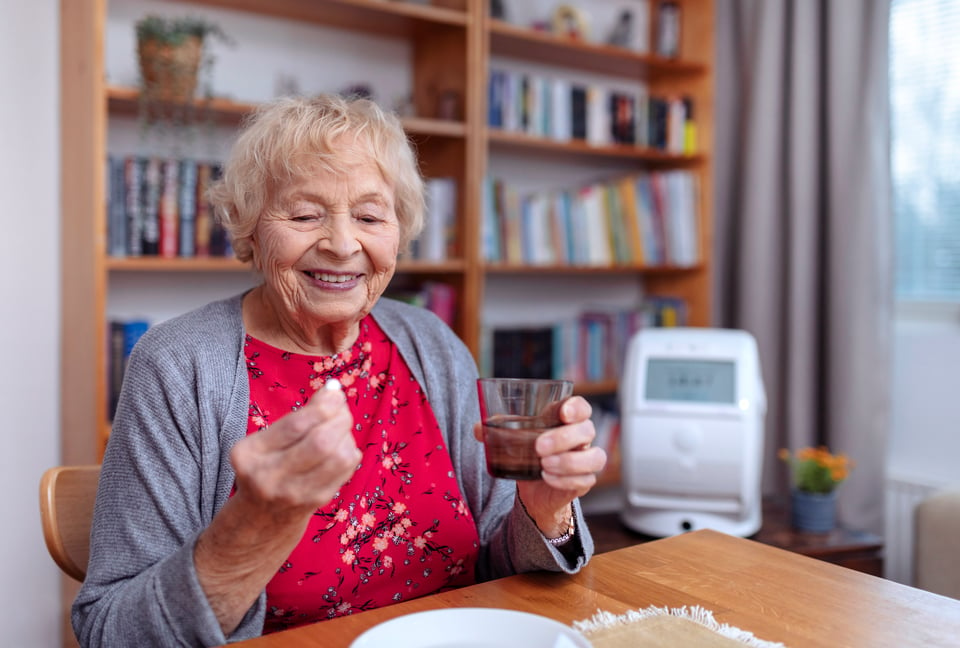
column 569, row 467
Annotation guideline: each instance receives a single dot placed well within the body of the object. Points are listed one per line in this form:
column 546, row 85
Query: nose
column 340, row 236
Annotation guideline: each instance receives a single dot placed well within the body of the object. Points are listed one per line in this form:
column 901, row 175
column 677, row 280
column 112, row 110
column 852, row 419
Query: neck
column 265, row 321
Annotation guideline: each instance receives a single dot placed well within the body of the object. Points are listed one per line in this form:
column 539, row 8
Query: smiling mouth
column 331, row 278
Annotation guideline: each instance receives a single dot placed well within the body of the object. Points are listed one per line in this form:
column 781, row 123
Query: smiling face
column 327, row 252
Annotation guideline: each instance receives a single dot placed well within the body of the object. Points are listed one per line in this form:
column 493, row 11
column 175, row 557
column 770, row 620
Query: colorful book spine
column 133, row 182
column 116, row 207
column 187, row 208
column 151, row 188
column 168, row 213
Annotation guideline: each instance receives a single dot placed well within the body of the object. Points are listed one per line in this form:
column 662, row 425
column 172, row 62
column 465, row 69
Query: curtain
column 803, row 226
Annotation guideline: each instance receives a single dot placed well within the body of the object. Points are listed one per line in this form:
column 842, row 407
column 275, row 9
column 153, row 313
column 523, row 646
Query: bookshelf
column 451, row 46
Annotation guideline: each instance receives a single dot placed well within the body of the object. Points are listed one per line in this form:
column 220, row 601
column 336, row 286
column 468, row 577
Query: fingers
column 575, row 409
column 572, row 464
column 302, row 458
column 566, row 438
column 579, row 484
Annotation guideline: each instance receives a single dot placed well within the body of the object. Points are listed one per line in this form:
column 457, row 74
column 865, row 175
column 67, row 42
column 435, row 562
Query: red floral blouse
column 399, row 528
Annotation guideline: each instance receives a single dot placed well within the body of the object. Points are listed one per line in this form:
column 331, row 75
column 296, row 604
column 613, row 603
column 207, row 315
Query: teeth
column 331, row 278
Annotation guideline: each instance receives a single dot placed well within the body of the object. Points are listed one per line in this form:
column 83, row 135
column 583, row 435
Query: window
column 925, row 153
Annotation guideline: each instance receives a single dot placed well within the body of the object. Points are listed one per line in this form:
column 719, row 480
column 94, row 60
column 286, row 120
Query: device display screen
column 695, row 381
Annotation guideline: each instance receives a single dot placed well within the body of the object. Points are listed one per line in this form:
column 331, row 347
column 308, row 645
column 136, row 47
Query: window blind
column 925, row 148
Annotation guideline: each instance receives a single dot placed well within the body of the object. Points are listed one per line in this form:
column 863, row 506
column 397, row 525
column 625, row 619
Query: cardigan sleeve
column 161, row 482
column 510, row 540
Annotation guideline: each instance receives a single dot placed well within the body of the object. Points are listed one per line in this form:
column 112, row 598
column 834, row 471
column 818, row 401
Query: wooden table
column 776, row 594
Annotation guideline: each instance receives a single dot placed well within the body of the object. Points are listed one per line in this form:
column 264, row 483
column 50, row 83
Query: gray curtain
column 803, row 225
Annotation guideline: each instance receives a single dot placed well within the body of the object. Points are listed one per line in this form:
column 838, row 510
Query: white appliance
column 692, row 409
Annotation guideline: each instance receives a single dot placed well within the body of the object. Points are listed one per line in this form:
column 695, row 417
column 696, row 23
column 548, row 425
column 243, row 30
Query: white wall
column 29, row 314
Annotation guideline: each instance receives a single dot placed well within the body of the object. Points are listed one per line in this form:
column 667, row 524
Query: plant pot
column 169, row 72
column 813, row 512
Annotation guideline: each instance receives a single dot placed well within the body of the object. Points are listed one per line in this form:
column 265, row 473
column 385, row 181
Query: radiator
column 902, row 496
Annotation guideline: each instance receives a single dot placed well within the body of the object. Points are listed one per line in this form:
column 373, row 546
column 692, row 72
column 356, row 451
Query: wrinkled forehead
column 341, row 154
column 346, row 157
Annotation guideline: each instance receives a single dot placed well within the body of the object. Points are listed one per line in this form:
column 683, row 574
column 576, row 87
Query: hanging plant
column 171, row 55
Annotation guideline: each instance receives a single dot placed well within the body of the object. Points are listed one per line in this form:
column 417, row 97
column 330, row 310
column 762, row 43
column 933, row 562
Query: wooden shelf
column 504, row 140
column 161, row 264
column 515, row 269
column 543, row 47
column 396, row 19
column 126, row 101
column 229, row 264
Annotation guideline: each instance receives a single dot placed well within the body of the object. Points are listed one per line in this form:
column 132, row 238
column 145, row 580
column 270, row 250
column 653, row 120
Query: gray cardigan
column 166, row 472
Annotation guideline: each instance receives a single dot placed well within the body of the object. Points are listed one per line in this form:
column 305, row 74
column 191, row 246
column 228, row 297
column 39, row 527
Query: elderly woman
column 238, row 495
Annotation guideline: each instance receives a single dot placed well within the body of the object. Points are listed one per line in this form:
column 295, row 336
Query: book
column 116, row 343
column 596, row 227
column 122, row 337
column 689, row 128
column 681, row 217
column 168, row 211
column 657, row 123
column 490, row 225
column 116, row 207
column 438, row 231
column 578, row 112
column 133, row 183
column 619, row 237
column 511, row 234
column 659, row 202
column 631, row 219
column 598, row 116
column 496, row 89
column 664, row 311
column 441, row 300
column 645, row 215
column 622, row 109
column 187, row 208
column 523, row 352
column 560, row 110
column 203, row 221
column 150, row 188
column 219, row 239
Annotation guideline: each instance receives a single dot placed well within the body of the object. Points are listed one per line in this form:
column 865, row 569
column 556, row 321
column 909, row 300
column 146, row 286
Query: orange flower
column 816, row 470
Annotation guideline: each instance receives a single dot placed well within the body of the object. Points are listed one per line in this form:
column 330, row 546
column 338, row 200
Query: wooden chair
column 67, row 494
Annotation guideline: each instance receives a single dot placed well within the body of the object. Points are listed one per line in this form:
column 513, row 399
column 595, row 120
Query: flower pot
column 814, row 512
column 170, row 71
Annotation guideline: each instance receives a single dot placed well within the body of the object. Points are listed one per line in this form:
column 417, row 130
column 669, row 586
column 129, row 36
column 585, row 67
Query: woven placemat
column 656, row 627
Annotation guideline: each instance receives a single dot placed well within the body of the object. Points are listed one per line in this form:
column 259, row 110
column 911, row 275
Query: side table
column 859, row 550
column 853, row 548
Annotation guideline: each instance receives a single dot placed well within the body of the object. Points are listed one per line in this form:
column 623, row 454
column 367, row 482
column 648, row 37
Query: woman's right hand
column 299, row 462
column 283, row 474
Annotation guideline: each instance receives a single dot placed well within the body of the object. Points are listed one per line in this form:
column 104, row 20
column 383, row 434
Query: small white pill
column 333, row 383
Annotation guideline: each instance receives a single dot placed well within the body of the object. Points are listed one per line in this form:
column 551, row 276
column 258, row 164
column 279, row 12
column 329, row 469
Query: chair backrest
column 67, row 494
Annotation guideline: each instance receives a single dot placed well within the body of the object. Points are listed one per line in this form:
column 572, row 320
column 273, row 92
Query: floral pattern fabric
column 399, row 528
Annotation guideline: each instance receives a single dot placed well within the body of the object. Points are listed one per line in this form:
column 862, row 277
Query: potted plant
column 816, row 474
column 170, row 52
